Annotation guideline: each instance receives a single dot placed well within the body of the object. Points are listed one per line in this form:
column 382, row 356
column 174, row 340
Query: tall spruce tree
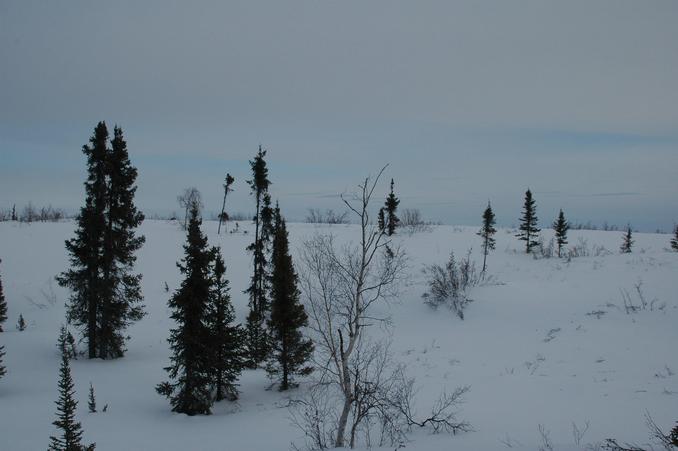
column 390, row 207
column 105, row 295
column 191, row 369
column 226, row 339
column 561, row 226
column 627, row 241
column 70, row 437
column 291, row 351
column 121, row 304
column 381, row 220
column 3, row 304
column 257, row 336
column 86, row 249
column 674, row 240
column 529, row 232
column 487, row 232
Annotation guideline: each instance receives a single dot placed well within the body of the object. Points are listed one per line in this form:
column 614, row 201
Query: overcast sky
column 467, row 101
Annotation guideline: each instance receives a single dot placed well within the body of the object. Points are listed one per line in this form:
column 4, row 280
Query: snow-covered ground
column 528, row 347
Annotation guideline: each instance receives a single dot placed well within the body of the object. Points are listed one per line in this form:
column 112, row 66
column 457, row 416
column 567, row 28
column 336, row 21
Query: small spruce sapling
column 3, row 370
column 91, row 401
column 21, row 324
column 3, row 305
column 561, row 226
column 66, row 343
column 674, row 240
column 627, row 241
column 70, row 430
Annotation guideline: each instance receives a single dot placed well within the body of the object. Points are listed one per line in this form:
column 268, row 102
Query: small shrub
column 449, row 285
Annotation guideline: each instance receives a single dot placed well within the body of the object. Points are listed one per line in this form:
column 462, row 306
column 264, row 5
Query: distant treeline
column 31, row 213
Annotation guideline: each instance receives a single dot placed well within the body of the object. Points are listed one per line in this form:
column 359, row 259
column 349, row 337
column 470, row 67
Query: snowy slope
column 528, row 348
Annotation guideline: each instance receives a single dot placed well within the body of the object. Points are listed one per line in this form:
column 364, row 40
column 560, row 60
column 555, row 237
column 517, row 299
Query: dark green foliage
column 674, row 436
column 121, row 303
column 105, row 295
column 83, row 278
column 487, row 232
column 529, row 232
column 66, row 343
column 674, row 240
column 627, row 241
column 291, row 351
column 190, row 371
column 91, row 400
column 561, row 226
column 381, row 220
column 226, row 339
column 257, row 336
column 21, row 324
column 14, row 216
column 3, row 305
column 390, row 207
column 3, row 370
column 70, row 430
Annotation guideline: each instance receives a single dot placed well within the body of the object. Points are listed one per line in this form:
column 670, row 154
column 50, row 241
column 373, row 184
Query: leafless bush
column 544, row 250
column 329, row 216
column 582, row 249
column 449, row 285
column 668, row 442
column 545, row 436
column 642, row 303
column 5, row 214
column 412, row 221
column 579, row 432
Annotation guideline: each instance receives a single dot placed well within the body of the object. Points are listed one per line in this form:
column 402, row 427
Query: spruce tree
column 627, row 241
column 561, row 226
column 14, row 216
column 70, row 430
column 91, row 400
column 291, row 351
column 674, row 240
column 381, row 220
column 487, row 232
column 256, row 334
column 21, row 324
column 226, row 338
column 227, row 188
column 84, row 276
column 66, row 343
column 191, row 370
column 105, row 294
column 529, row 231
column 3, row 370
column 391, row 206
column 3, row 304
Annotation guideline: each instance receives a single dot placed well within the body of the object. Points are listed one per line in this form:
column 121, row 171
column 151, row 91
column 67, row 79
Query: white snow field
column 528, row 347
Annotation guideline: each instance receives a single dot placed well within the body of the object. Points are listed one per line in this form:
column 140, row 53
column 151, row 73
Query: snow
column 528, row 346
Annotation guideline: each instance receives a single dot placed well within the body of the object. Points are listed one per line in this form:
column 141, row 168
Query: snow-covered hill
column 531, row 347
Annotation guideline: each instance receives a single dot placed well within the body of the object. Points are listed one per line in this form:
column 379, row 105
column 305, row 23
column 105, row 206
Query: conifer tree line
column 105, row 293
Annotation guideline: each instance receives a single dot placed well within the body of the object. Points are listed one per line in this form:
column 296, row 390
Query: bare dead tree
column 358, row 390
column 341, row 286
column 187, row 199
